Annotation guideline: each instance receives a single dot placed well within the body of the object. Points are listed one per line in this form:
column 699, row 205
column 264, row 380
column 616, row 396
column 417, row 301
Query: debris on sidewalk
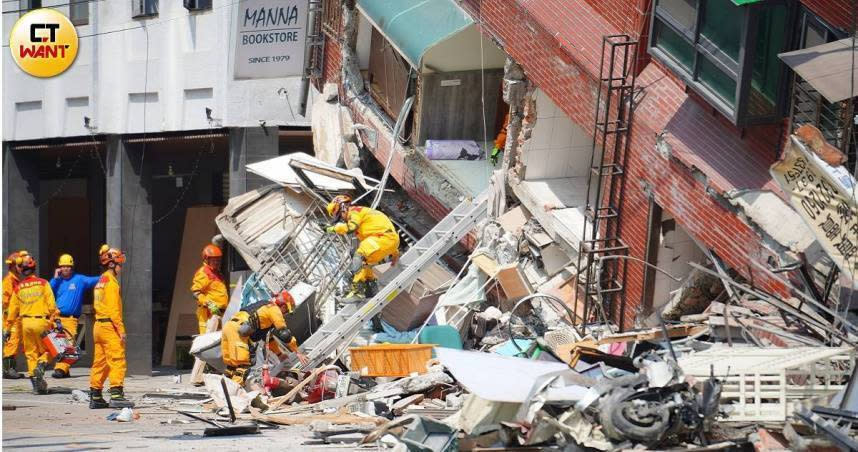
column 504, row 353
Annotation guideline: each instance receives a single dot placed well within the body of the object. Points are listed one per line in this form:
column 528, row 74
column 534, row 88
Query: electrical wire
column 23, row 10
column 149, row 23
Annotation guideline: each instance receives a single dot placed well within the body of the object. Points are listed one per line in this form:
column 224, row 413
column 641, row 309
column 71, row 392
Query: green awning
column 413, row 26
column 745, row 2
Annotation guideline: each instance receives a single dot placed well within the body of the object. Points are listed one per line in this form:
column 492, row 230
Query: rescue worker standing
column 11, row 346
column 33, row 302
column 209, row 288
column 378, row 241
column 109, row 335
column 252, row 324
column 69, row 288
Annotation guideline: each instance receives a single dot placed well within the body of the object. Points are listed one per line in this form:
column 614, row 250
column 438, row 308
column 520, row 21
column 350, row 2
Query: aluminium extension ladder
column 341, row 329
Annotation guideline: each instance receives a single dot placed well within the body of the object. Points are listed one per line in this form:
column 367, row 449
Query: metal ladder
column 605, row 290
column 340, row 330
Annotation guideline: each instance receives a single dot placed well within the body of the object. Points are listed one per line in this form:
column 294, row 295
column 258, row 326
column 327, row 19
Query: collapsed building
column 652, row 228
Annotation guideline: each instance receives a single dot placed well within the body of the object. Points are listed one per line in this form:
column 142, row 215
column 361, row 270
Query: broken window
column 726, row 53
column 388, row 74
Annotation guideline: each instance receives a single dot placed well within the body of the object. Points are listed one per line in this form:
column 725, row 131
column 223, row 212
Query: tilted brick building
column 712, row 106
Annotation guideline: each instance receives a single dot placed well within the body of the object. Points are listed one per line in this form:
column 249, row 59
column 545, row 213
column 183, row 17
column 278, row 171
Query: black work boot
column 40, row 386
column 117, row 398
column 96, row 400
column 9, row 371
column 59, row 373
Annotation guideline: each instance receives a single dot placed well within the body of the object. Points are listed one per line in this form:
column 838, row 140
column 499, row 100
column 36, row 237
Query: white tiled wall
column 557, row 147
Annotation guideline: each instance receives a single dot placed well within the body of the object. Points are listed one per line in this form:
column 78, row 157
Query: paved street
column 56, row 422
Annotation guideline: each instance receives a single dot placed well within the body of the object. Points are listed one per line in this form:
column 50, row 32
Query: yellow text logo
column 43, row 43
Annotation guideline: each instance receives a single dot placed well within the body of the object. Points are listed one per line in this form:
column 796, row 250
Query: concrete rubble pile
column 498, row 355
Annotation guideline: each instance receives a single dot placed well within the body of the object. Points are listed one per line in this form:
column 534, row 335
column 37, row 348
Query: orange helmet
column 111, row 257
column 284, row 299
column 337, row 204
column 212, row 251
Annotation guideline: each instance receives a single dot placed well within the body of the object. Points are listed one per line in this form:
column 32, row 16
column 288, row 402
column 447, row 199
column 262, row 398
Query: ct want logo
column 43, row 43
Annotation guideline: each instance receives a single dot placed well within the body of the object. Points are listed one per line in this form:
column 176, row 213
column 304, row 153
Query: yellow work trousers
column 70, row 324
column 374, row 250
column 108, row 359
column 11, row 347
column 203, row 316
column 32, row 336
column 235, row 349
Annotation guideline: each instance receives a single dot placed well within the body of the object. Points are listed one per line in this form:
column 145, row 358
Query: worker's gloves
column 496, row 153
column 357, row 263
column 6, row 335
column 284, row 334
column 330, row 230
column 58, row 325
column 246, row 329
column 213, row 308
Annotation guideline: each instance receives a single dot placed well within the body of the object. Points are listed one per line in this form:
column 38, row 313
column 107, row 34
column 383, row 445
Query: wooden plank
column 486, row 264
column 197, row 373
column 198, row 231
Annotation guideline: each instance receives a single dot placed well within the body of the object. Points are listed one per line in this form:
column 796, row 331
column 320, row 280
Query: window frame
column 740, row 70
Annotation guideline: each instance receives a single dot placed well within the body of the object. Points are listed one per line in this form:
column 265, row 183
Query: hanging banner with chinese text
column 824, row 196
column 270, row 38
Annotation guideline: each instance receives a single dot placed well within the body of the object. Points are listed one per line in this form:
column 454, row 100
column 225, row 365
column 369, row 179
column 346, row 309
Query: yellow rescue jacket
column 208, row 286
column 107, row 301
column 269, row 316
column 32, row 297
column 365, row 222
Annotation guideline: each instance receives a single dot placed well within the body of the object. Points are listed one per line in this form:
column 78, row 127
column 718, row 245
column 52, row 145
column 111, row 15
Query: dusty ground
column 56, row 422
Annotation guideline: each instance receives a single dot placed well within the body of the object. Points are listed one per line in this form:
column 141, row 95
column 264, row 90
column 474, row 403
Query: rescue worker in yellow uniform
column 33, row 302
column 209, row 288
column 11, row 346
column 109, row 335
column 378, row 241
column 252, row 324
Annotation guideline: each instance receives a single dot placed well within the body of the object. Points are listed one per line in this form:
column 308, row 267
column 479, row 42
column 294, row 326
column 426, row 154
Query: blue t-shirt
column 69, row 292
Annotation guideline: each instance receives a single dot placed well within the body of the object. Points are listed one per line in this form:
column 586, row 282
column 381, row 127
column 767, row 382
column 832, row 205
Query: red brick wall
column 559, row 45
column 836, row 12
column 333, row 61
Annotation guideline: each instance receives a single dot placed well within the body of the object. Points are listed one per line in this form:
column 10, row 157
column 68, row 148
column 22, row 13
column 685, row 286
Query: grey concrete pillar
column 20, row 201
column 129, row 227
column 250, row 145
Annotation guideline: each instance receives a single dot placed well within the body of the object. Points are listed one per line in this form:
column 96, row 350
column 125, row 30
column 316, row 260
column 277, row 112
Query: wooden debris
column 400, row 405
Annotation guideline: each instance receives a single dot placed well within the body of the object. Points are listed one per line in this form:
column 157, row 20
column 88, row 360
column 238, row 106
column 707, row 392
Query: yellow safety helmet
column 66, row 260
column 336, row 205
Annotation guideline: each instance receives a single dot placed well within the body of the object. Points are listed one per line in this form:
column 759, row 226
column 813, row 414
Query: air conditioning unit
column 144, row 8
column 195, row 5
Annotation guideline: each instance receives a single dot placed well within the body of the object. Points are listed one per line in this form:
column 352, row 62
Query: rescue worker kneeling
column 108, row 334
column 378, row 241
column 252, row 324
column 32, row 301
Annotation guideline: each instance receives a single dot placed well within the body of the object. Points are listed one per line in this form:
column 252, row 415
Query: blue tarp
column 413, row 26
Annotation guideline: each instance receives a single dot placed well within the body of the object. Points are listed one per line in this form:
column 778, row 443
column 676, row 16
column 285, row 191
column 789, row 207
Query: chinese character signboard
column 824, row 196
column 270, row 38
